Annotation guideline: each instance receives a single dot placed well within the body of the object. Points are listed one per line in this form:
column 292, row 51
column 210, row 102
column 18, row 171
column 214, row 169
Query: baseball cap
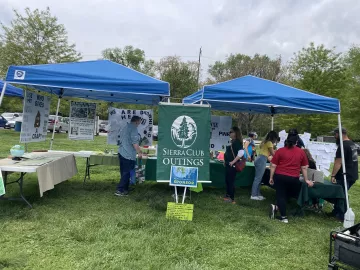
column 336, row 131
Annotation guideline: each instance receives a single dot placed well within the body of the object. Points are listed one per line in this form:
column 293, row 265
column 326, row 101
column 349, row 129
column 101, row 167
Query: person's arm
column 135, row 142
column 337, row 166
column 271, row 151
column 304, row 173
column 246, row 146
column 272, row 171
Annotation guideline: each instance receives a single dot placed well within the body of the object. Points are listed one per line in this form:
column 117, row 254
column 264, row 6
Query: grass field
column 87, row 227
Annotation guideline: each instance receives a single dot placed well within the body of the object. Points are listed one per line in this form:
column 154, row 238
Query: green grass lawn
column 87, row 227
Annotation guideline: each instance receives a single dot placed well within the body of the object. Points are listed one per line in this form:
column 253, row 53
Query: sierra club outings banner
column 183, row 139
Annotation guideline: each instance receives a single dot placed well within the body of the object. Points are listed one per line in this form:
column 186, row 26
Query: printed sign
column 118, row 118
column 2, row 186
column 324, row 154
column 35, row 118
column 82, row 120
column 184, row 176
column 220, row 127
column 179, row 211
column 183, row 139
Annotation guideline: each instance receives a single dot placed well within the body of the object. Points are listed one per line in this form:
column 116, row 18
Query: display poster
column 179, row 211
column 184, row 176
column 183, row 140
column 283, row 136
column 82, row 120
column 118, row 118
column 35, row 118
column 220, row 137
column 323, row 154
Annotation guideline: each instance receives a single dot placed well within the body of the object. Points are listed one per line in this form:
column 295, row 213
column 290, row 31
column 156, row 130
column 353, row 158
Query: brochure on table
column 35, row 118
column 118, row 118
column 82, row 120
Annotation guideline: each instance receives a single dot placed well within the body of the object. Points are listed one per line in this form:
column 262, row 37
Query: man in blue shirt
column 129, row 139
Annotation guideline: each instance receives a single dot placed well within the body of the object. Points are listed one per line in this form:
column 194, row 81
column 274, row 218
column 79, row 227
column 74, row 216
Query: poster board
column 220, row 127
column 82, row 120
column 283, row 136
column 324, row 154
column 35, row 118
column 118, row 118
column 179, row 211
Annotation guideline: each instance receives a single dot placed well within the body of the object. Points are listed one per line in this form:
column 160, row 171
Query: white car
column 11, row 119
column 62, row 124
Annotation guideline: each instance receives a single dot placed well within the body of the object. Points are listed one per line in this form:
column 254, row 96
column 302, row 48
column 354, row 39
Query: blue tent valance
column 95, row 80
column 11, row 91
column 255, row 95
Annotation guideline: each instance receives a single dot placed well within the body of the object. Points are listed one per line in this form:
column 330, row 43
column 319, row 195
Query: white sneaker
column 262, row 198
column 255, row 198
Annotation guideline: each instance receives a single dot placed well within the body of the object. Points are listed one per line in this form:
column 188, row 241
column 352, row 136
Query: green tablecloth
column 109, row 160
column 331, row 192
column 217, row 174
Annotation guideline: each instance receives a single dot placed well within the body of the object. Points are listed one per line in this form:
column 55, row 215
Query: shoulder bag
column 240, row 164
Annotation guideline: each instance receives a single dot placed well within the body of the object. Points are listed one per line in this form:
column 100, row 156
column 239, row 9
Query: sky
column 180, row 27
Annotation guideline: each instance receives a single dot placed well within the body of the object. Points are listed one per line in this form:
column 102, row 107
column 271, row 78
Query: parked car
column 62, row 124
column 11, row 118
column 103, row 126
column 155, row 132
column 11, row 123
column 3, row 122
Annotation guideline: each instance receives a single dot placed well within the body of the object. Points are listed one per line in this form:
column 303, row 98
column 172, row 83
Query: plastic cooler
column 345, row 248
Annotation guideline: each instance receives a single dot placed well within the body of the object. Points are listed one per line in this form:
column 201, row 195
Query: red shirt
column 288, row 161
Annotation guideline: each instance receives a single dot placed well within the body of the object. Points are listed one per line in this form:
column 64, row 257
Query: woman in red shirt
column 285, row 172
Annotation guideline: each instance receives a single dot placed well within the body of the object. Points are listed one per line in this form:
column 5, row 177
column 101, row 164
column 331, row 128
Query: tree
column 182, row 76
column 35, row 38
column 183, row 131
column 130, row 57
column 318, row 70
column 352, row 99
column 238, row 65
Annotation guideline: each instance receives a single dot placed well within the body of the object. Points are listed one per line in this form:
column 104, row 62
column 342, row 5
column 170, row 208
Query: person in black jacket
column 230, row 158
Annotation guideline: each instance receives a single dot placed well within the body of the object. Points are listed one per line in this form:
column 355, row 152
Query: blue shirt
column 250, row 147
column 128, row 136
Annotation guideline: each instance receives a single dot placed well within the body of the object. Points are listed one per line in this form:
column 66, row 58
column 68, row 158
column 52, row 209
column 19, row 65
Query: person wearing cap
column 284, row 174
column 249, row 146
column 351, row 166
column 129, row 139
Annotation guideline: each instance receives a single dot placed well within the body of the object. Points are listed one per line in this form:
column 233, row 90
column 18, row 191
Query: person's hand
column 231, row 163
column 333, row 179
column 309, row 183
column 249, row 158
column 140, row 155
column 271, row 182
column 270, row 158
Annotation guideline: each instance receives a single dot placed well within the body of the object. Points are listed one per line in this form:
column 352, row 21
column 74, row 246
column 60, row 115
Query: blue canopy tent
column 94, row 80
column 11, row 91
column 256, row 95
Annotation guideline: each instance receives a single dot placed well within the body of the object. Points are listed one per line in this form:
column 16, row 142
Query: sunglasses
column 231, row 132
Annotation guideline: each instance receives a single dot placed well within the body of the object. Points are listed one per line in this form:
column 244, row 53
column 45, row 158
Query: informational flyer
column 220, row 128
column 118, row 118
column 324, row 154
column 82, row 120
column 35, row 118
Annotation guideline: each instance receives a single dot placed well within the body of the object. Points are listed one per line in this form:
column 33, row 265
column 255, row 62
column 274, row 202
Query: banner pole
column 176, row 195
column 183, row 200
column 3, row 92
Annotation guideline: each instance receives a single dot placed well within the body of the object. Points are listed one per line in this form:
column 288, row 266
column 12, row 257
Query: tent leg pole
column 2, row 93
column 343, row 162
column 272, row 122
column 56, row 119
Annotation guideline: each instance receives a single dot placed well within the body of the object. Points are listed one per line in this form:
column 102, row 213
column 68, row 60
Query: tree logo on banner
column 184, row 131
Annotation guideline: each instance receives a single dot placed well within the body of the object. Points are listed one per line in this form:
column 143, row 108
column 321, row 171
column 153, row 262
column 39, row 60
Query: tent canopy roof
column 255, row 95
column 95, row 80
column 11, row 91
